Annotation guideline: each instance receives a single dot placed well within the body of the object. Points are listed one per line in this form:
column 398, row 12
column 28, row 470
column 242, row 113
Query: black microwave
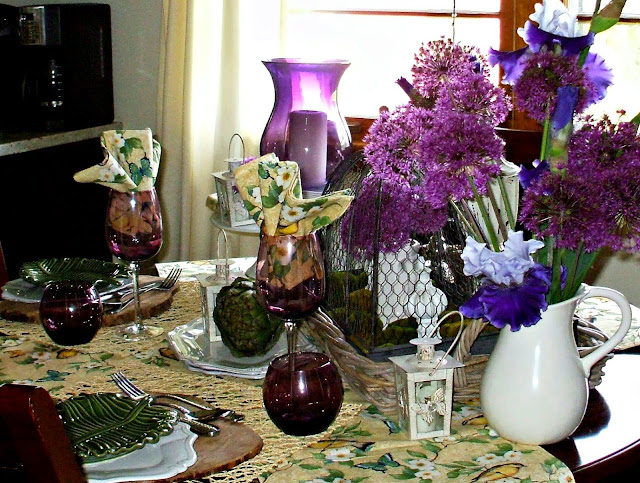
column 58, row 62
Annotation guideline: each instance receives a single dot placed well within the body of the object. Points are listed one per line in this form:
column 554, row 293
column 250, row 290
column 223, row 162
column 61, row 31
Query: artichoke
column 246, row 328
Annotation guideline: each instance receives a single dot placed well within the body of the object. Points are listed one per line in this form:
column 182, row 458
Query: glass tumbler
column 71, row 312
column 302, row 393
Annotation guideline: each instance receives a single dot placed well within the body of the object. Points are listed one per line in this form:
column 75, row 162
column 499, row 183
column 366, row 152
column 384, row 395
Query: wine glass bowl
column 302, row 393
column 290, row 275
column 134, row 233
column 71, row 312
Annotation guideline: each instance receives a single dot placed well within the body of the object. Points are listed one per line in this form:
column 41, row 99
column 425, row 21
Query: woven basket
column 375, row 381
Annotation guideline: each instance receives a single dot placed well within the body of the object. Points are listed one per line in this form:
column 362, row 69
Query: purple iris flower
column 513, row 63
column 405, row 85
column 536, row 38
column 599, row 74
column 565, row 106
column 528, row 176
column 513, row 305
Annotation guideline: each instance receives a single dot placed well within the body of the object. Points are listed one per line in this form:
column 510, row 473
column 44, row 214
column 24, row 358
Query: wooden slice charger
column 152, row 303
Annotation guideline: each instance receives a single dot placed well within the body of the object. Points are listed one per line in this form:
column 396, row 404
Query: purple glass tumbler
column 306, row 86
column 71, row 312
column 302, row 393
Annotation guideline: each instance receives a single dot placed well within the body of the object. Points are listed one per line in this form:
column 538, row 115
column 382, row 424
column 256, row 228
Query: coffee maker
column 63, row 62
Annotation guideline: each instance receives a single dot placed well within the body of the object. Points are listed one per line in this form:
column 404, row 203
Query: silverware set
column 199, row 421
column 116, row 300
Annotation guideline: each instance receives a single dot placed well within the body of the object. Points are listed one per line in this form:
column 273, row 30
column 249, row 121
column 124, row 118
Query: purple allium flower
column 430, row 151
column 440, row 62
column 403, row 214
column 593, row 201
column 460, row 146
column 543, row 73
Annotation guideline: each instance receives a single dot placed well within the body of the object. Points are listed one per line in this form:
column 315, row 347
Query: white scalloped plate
column 170, row 456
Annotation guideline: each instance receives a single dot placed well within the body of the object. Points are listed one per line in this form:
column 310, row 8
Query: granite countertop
column 22, row 142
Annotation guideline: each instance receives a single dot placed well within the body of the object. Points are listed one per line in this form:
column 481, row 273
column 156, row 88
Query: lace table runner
column 361, row 445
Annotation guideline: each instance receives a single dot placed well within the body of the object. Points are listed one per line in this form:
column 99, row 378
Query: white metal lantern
column 424, row 383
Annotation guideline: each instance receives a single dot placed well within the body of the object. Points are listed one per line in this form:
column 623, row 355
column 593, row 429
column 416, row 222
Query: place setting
column 132, row 435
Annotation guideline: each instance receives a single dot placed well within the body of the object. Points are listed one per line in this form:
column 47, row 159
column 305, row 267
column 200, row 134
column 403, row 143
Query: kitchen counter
column 25, row 141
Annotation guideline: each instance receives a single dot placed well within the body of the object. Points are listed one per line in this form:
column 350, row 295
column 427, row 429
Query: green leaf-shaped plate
column 104, row 425
column 98, row 272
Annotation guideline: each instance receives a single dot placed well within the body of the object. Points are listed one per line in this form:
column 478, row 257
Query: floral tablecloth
column 361, row 445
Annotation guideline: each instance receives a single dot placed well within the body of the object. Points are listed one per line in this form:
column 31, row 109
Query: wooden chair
column 33, row 444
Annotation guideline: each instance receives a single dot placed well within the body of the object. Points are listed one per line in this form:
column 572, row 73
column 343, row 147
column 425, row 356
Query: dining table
column 362, row 444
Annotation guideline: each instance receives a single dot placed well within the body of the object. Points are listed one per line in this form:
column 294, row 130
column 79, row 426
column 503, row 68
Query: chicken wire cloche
column 382, row 299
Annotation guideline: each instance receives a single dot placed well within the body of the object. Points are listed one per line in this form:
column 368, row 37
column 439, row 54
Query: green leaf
column 135, row 143
column 453, row 474
column 466, row 463
column 403, row 476
column 270, row 201
column 434, row 448
column 104, row 357
column 320, row 221
column 417, row 454
column 636, row 119
column 307, row 466
column 387, row 460
column 607, row 17
column 333, row 474
column 262, row 171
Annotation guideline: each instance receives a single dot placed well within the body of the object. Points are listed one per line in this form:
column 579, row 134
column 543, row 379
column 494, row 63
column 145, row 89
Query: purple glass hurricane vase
column 305, row 89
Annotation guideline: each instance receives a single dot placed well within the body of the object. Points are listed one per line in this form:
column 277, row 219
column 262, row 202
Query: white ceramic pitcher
column 535, row 386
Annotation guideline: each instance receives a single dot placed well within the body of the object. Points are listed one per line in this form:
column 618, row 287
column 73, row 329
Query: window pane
column 618, row 46
column 586, row 7
column 485, row 6
column 381, row 49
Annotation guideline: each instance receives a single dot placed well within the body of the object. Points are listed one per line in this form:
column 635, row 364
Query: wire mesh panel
column 382, row 299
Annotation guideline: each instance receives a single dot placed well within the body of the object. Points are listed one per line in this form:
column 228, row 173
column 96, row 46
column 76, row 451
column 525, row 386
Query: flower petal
column 565, row 106
column 537, row 38
column 528, row 176
column 599, row 74
column 511, row 63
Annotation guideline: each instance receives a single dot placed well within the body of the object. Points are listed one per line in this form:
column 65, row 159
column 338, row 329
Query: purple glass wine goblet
column 134, row 234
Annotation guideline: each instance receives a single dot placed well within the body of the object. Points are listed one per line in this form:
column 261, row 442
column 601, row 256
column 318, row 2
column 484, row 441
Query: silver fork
column 120, row 303
column 184, row 415
column 207, row 413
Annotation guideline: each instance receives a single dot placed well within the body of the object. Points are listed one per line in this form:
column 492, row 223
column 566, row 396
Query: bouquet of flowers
column 444, row 137
column 441, row 150
column 581, row 195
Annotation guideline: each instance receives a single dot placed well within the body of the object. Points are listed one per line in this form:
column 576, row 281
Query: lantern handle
column 455, row 340
column 231, row 142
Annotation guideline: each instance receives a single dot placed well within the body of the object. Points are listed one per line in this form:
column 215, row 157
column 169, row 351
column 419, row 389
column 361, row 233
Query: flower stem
column 485, row 216
column 511, row 216
column 545, row 138
column 496, row 211
column 555, row 293
column 469, row 221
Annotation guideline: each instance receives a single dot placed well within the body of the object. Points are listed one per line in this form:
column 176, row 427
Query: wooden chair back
column 33, row 444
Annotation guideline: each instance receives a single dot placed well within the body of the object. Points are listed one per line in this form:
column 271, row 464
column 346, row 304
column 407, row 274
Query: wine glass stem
column 292, row 335
column 135, row 269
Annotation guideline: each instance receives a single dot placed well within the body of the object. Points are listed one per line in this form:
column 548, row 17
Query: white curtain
column 212, row 85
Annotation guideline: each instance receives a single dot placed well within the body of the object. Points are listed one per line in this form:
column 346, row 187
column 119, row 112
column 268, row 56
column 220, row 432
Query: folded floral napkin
column 272, row 194
column 131, row 161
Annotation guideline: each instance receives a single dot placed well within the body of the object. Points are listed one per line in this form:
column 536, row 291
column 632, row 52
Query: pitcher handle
column 590, row 359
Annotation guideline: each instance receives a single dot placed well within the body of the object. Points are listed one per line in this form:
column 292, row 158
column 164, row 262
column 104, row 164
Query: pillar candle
column 308, row 147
